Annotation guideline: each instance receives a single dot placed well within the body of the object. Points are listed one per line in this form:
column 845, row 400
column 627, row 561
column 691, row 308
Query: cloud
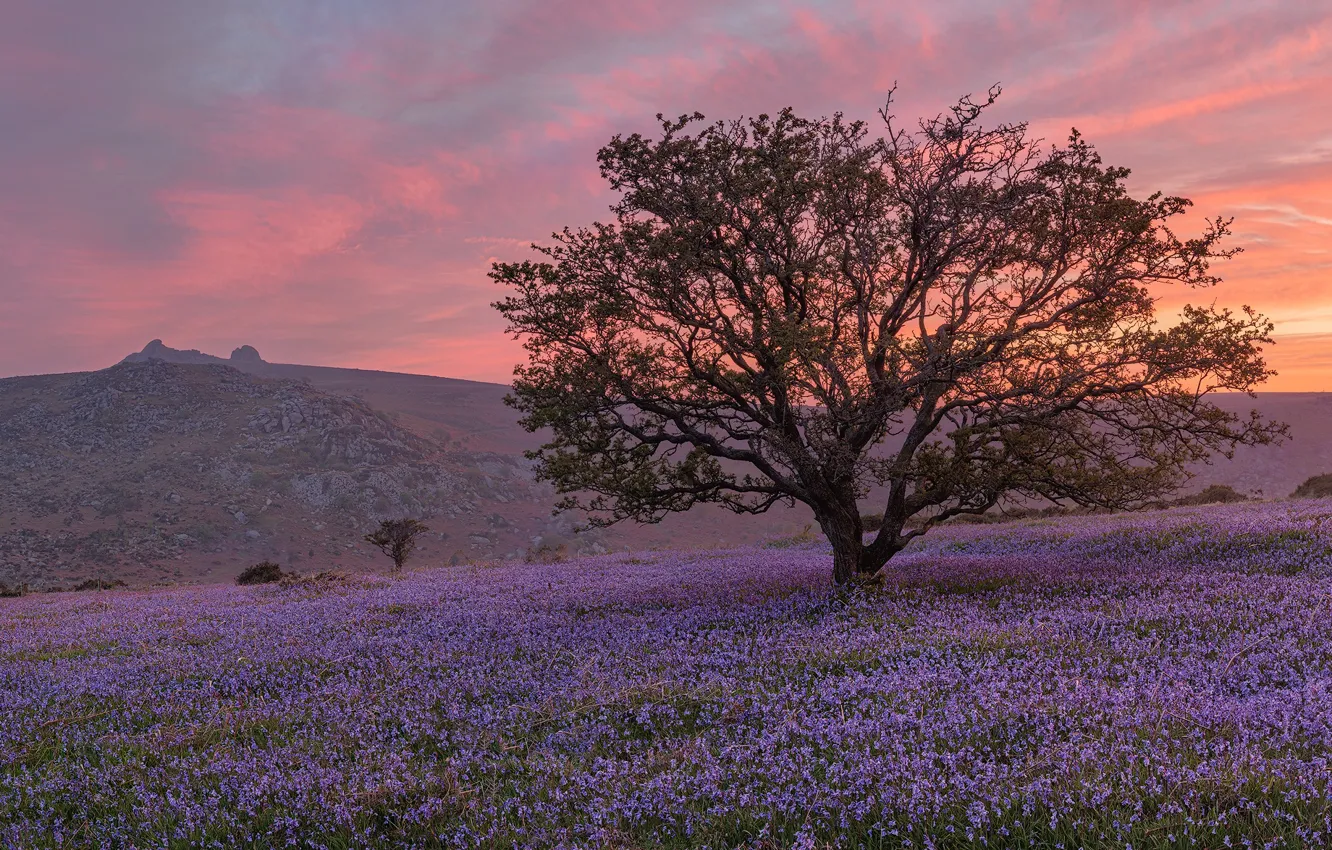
column 330, row 181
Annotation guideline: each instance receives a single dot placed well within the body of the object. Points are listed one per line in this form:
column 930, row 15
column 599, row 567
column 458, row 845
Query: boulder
column 246, row 354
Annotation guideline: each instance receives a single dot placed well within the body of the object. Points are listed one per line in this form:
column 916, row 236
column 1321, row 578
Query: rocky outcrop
column 156, row 350
column 246, row 356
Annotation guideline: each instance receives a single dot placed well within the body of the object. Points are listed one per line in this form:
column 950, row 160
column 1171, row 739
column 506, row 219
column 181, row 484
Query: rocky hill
column 154, row 471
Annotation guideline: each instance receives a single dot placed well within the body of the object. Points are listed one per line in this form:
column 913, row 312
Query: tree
column 396, row 538
column 790, row 310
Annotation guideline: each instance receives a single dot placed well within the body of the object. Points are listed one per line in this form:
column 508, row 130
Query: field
column 1161, row 680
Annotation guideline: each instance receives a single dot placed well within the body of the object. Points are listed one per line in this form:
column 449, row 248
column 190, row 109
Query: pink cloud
column 331, row 186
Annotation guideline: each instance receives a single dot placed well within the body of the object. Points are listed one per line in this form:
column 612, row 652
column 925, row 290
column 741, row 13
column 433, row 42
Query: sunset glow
column 329, row 182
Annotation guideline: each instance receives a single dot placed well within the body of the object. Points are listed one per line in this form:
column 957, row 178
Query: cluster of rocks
column 159, row 351
column 334, row 429
column 38, row 559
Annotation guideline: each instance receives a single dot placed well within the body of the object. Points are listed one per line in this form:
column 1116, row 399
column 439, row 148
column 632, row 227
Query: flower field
column 1160, row 680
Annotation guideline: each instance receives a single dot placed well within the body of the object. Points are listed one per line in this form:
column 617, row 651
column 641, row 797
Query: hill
column 154, row 470
column 472, row 415
column 157, row 470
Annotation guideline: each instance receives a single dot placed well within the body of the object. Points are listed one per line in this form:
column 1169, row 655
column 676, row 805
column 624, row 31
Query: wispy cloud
column 330, row 181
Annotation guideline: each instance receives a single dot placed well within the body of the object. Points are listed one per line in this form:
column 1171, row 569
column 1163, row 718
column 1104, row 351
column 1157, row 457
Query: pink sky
column 329, row 181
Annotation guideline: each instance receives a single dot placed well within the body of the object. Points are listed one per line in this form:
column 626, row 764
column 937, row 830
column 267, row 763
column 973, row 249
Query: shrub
column 547, row 553
column 116, row 502
column 1316, row 487
column 1214, row 494
column 323, row 580
column 264, row 572
column 98, row 584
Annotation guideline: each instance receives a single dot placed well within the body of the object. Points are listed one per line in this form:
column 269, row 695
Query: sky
column 329, row 180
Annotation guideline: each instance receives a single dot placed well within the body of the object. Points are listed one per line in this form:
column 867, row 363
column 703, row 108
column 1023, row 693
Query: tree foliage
column 397, row 538
column 934, row 320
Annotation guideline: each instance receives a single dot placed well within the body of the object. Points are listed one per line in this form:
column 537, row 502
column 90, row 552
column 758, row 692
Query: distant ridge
column 247, row 359
column 472, row 413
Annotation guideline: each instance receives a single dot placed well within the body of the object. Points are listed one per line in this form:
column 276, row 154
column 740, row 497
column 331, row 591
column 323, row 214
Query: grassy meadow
column 1149, row 681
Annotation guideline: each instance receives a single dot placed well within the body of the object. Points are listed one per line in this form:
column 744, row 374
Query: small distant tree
column 790, row 310
column 396, row 538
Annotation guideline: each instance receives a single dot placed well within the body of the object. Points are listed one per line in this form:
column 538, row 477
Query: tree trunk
column 848, row 545
column 851, row 557
column 845, row 564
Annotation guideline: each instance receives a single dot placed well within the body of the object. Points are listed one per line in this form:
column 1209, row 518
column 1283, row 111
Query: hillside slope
column 161, row 470
column 155, row 471
column 472, row 415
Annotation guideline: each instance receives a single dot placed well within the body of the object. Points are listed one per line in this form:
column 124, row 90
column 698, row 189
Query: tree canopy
column 936, row 319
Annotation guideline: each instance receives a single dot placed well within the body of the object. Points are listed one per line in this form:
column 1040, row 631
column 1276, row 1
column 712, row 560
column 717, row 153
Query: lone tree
column 788, row 309
column 396, row 538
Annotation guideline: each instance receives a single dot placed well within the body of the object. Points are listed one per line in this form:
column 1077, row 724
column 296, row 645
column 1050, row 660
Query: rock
column 479, row 540
column 156, row 350
column 174, row 498
column 246, row 354
column 240, row 517
column 252, row 535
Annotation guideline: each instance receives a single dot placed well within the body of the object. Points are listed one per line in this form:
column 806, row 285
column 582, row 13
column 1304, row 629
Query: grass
column 1005, row 688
